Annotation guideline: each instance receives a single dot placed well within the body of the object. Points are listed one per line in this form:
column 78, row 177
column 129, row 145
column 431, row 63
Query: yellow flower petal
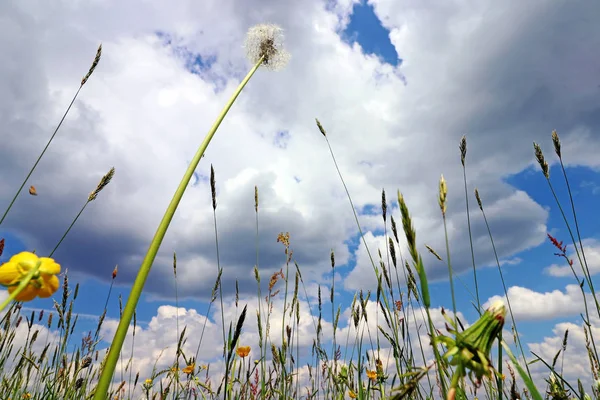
column 243, row 351
column 9, row 273
column 27, row 294
column 49, row 287
column 49, row 266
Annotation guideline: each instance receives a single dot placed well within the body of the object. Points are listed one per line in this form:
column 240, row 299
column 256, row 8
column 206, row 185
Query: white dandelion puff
column 265, row 41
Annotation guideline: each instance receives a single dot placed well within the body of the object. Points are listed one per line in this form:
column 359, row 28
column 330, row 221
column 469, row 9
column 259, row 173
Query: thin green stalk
column 348, row 195
column 214, row 206
column 39, row 157
column 524, row 375
column 178, row 349
column 557, row 149
column 546, row 171
column 443, row 193
column 263, row 383
column 463, row 151
column 83, row 81
column 68, row 229
column 138, row 285
column 582, row 263
column 499, row 376
column 93, row 195
column 478, row 198
column 591, row 284
column 450, row 272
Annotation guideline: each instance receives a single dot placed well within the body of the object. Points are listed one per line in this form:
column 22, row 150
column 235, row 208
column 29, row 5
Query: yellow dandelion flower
column 243, row 351
column 372, row 375
column 43, row 284
column 148, row 381
column 189, row 369
column 351, row 394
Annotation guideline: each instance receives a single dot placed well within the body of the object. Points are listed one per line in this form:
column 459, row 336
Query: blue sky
column 394, row 122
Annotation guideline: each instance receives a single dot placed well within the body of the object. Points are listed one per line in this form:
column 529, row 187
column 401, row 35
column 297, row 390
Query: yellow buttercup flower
column 372, row 375
column 243, row 351
column 148, row 382
column 351, row 394
column 189, row 369
column 43, row 284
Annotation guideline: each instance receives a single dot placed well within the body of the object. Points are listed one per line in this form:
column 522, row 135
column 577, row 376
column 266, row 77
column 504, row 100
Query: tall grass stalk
column 83, row 81
column 259, row 316
column 213, row 191
column 463, row 155
column 443, row 193
column 557, row 150
column 411, row 239
column 263, row 42
column 546, row 171
column 91, row 197
column 512, row 317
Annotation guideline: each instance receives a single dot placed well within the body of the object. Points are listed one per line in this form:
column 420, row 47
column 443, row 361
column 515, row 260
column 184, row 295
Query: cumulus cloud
column 574, row 361
column 155, row 94
column 528, row 304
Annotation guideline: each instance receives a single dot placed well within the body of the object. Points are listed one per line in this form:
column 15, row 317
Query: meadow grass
column 403, row 355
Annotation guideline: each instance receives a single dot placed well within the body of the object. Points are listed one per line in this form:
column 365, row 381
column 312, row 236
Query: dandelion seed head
column 266, row 41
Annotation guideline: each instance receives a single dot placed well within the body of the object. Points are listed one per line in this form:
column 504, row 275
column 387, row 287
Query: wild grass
column 404, row 353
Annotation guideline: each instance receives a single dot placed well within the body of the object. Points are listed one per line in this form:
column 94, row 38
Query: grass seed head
column 478, row 199
column 383, row 205
column 443, row 192
column 255, row 198
column 321, row 128
column 94, row 65
column 556, row 141
column 213, row 189
column 541, row 160
column 463, row 150
column 102, row 184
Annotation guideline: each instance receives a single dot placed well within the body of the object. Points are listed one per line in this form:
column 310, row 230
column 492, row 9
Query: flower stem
column 138, row 285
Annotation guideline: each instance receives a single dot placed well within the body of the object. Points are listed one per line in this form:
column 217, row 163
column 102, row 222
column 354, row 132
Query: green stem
column 450, row 270
column 69, row 228
column 471, row 243
column 40, row 156
column 140, row 280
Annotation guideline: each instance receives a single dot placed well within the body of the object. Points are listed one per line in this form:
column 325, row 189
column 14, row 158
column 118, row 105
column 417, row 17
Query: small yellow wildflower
column 243, row 351
column 148, row 381
column 189, row 369
column 27, row 395
column 372, row 375
column 351, row 394
column 174, row 369
column 43, row 284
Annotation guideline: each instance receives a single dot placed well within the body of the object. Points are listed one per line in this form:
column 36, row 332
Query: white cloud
column 146, row 109
column 483, row 70
column 527, row 304
column 574, row 362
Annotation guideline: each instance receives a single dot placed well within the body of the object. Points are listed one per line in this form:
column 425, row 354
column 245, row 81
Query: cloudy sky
column 396, row 84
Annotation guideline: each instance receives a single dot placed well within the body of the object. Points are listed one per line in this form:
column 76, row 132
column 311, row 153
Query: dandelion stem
column 138, row 285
